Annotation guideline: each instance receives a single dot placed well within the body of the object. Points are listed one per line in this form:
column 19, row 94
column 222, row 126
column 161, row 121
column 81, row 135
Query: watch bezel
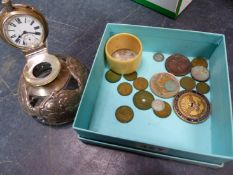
column 20, row 9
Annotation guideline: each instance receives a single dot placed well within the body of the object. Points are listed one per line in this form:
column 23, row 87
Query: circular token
column 178, row 65
column 124, row 89
column 164, row 85
column 140, row 83
column 187, row 83
column 124, row 114
column 143, row 100
column 170, row 85
column 158, row 57
column 124, row 54
column 191, row 106
column 202, row 88
column 131, row 77
column 200, row 73
column 199, row 61
column 112, row 77
column 165, row 112
column 158, row 105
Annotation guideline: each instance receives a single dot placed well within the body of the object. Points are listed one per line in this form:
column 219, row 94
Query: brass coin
column 140, row 83
column 112, row 77
column 165, row 112
column 202, row 88
column 178, row 65
column 199, row 61
column 143, row 100
column 200, row 73
column 187, row 83
column 191, row 106
column 164, row 85
column 124, row 114
column 124, row 89
column 131, row 77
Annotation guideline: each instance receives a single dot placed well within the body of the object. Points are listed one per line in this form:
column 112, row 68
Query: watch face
column 24, row 31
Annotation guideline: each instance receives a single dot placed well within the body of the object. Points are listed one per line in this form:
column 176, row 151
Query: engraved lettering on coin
column 191, row 106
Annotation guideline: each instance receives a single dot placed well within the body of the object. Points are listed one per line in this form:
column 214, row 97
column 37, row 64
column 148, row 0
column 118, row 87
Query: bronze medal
column 191, row 106
column 178, row 65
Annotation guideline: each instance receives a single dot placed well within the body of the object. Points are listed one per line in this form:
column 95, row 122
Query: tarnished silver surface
column 55, row 103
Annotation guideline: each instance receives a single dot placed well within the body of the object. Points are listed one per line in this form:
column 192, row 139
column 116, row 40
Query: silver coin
column 158, row 105
column 158, row 57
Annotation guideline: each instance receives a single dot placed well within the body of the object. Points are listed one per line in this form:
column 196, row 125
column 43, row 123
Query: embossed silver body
column 50, row 86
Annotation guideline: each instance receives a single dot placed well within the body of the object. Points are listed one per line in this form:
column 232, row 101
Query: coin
column 170, row 85
column 124, row 54
column 124, row 89
column 158, row 57
column 143, row 100
column 131, row 76
column 158, row 105
column 200, row 73
column 124, row 114
column 187, row 83
column 112, row 77
column 178, row 65
column 202, row 88
column 140, row 83
column 164, row 85
column 165, row 112
column 199, row 61
column 191, row 106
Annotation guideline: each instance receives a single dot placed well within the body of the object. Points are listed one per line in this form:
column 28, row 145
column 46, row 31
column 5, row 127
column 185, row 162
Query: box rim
column 144, row 152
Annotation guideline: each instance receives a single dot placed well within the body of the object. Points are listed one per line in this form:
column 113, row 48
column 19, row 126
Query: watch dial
column 24, row 31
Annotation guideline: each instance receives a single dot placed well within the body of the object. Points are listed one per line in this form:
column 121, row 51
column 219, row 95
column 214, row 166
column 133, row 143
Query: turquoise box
column 208, row 143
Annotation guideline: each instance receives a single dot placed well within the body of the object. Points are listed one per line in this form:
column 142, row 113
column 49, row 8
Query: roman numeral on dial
column 17, row 40
column 12, row 24
column 13, row 36
column 18, row 20
column 37, row 27
column 32, row 23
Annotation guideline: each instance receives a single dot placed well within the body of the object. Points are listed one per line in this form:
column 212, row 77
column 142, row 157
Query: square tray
column 210, row 141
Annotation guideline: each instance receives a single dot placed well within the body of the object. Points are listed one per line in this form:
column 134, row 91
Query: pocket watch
column 50, row 86
column 22, row 26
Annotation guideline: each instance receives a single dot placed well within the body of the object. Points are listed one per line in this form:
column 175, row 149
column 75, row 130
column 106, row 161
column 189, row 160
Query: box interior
column 100, row 99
